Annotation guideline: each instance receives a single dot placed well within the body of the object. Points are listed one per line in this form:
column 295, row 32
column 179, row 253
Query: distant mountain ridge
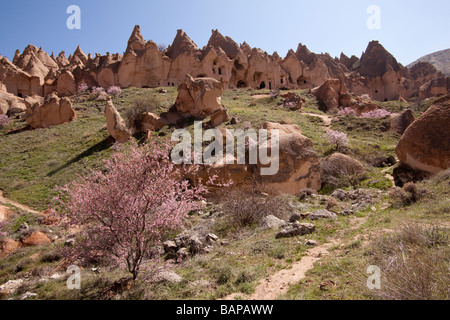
column 440, row 60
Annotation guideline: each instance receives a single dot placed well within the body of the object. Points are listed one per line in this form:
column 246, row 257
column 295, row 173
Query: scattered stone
column 211, row 238
column 167, row 276
column 272, row 222
column 195, row 246
column 28, row 295
column 199, row 97
column 219, row 117
column 182, row 254
column 69, row 242
column 151, row 122
column 23, row 227
column 322, row 214
column 297, row 229
column 311, row 243
column 170, row 247
column 298, row 216
column 10, row 287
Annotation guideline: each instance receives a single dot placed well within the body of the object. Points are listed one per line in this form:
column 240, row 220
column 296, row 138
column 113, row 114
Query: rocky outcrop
column 17, row 81
column 115, row 124
column 143, row 64
column 151, row 122
column 298, row 161
column 54, row 111
column 399, row 122
column 200, row 97
column 329, row 94
column 425, row 145
column 434, row 88
column 11, row 104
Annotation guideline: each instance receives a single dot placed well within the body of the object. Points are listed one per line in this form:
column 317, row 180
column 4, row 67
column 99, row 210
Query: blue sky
column 409, row 28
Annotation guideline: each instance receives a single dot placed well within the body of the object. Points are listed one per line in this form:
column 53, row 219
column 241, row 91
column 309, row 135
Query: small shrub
column 139, row 106
column 50, row 257
column 98, row 91
column 2, row 226
column 305, row 193
column 162, row 47
column 224, row 275
column 245, row 276
column 406, row 196
column 339, row 172
column 247, row 209
column 114, row 91
column 414, row 264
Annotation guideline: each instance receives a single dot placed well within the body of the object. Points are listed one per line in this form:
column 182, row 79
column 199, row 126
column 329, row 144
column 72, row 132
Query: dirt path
column 278, row 284
column 4, row 200
column 325, row 118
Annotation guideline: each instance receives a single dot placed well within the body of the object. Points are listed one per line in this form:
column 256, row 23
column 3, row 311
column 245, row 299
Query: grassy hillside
column 385, row 228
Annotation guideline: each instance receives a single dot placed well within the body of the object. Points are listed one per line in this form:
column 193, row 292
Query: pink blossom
column 114, row 91
column 377, row 113
column 98, row 91
column 126, row 210
column 337, row 138
column 4, row 120
column 83, row 87
column 347, row 112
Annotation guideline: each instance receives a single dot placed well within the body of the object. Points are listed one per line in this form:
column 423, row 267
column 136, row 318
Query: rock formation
column 425, row 145
column 11, row 104
column 115, row 124
column 298, row 161
column 200, row 97
column 54, row 111
column 377, row 73
column 401, row 121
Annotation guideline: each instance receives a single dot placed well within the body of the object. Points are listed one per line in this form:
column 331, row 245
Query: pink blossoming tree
column 337, row 138
column 114, row 91
column 125, row 211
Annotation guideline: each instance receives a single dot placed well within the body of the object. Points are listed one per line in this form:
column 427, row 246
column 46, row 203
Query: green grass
column 33, row 163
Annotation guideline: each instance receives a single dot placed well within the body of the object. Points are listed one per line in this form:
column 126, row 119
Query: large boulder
column 399, row 122
column 54, row 111
column 199, row 97
column 151, row 122
column 329, row 94
column 36, row 239
column 298, row 161
column 115, row 124
column 425, row 145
